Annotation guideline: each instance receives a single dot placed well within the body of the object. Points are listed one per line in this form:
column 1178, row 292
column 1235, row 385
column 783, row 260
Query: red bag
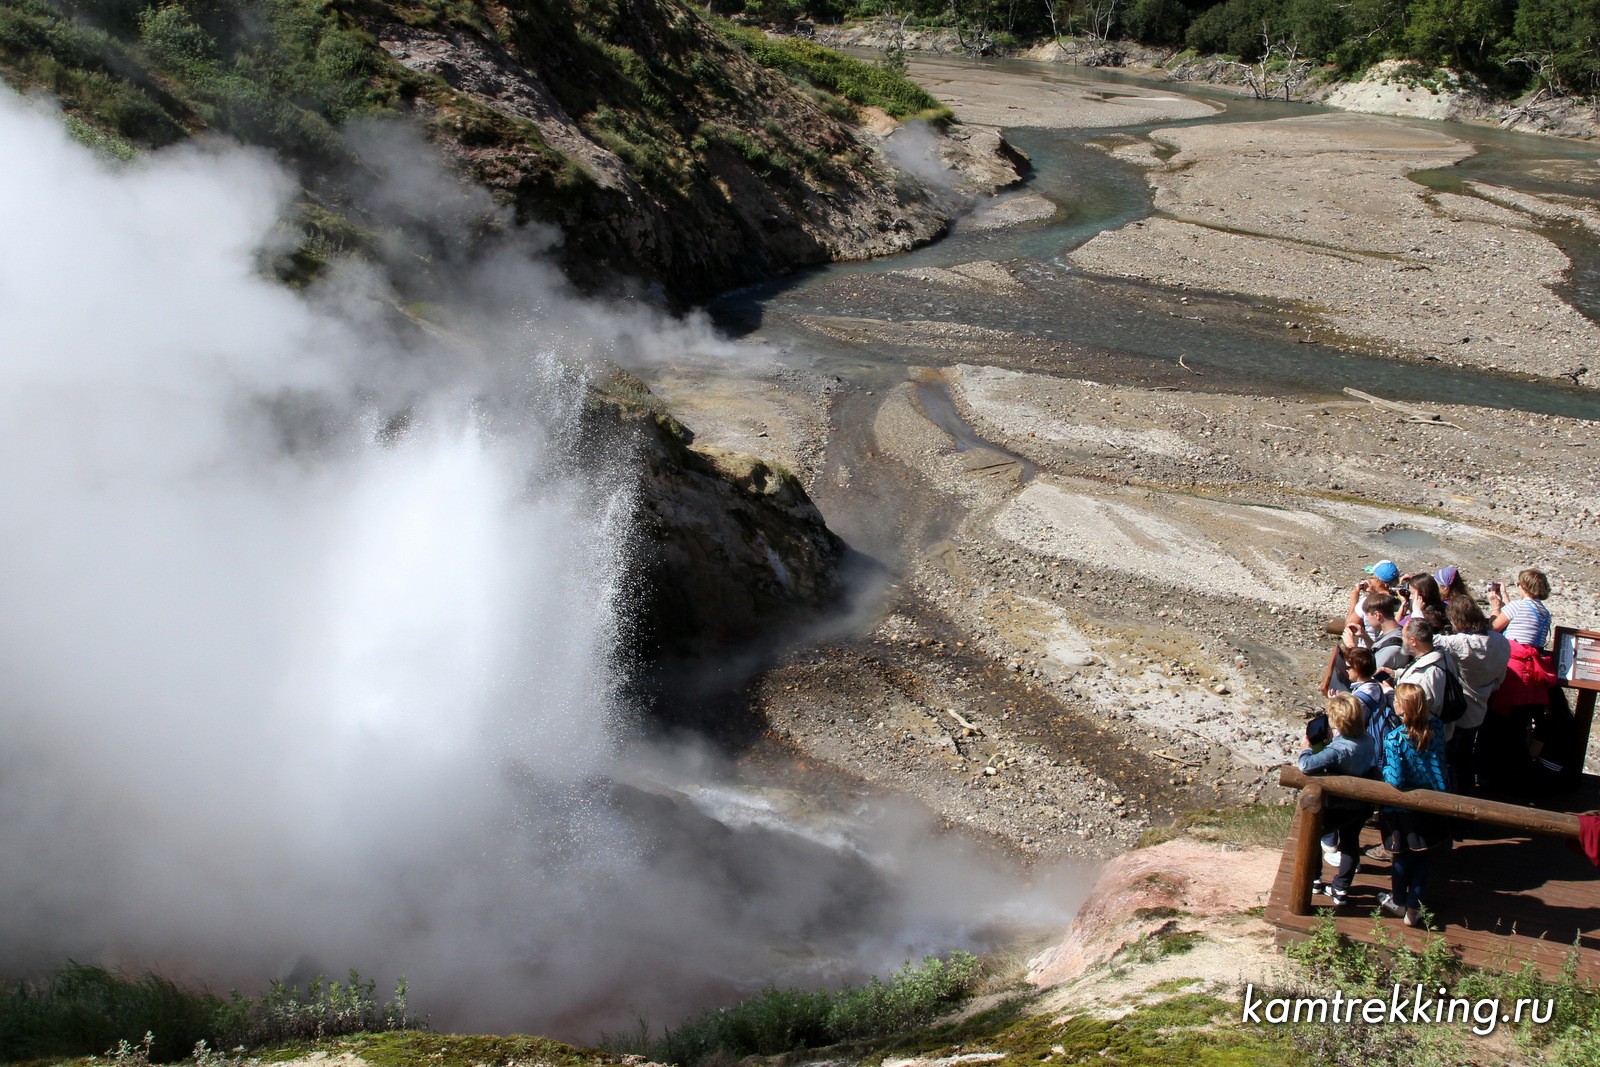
column 1529, row 676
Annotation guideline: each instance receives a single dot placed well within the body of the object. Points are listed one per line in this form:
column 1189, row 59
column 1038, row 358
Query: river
column 1236, row 344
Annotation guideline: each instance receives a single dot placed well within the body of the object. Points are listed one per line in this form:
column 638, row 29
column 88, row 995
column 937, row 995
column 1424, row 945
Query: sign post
column 1577, row 655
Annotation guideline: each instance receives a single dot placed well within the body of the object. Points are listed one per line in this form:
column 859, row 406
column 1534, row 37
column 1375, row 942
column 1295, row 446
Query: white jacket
column 1480, row 661
column 1427, row 672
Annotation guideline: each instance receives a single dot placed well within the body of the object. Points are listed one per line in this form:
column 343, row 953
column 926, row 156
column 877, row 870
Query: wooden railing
column 1314, row 788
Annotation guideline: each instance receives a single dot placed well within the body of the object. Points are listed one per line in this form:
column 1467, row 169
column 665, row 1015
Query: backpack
column 1454, row 704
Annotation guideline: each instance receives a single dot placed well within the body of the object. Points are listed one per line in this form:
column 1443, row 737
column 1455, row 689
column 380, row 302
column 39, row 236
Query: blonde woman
column 1530, row 674
column 1413, row 758
column 1350, row 750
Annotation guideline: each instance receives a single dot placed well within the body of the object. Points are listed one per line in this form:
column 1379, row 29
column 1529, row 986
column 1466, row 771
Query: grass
column 776, row 1020
column 1249, row 825
column 82, row 1010
column 839, row 74
column 1179, row 1031
column 1570, row 1038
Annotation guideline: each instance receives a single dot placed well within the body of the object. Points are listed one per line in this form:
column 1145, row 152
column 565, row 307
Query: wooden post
column 1307, row 850
column 1583, row 713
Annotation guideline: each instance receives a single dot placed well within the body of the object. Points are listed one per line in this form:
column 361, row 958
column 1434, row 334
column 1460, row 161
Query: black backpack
column 1454, row 704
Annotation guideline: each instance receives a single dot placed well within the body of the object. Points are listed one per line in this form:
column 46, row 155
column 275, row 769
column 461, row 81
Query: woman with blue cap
column 1384, row 574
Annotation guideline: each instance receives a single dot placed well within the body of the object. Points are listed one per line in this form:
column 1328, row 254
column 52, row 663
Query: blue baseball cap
column 1384, row 570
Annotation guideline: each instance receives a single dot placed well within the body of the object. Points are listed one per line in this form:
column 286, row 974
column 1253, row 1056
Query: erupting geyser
column 309, row 630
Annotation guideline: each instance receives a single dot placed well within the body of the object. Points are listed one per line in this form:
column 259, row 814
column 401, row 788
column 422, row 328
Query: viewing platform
column 1499, row 896
column 1514, row 887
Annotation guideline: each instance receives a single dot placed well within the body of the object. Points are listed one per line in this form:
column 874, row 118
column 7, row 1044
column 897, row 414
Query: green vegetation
column 1158, row 944
column 1509, row 45
column 81, row 1010
column 1186, row 1030
column 1329, row 960
column 279, row 73
column 840, row 75
column 784, row 1020
column 1260, row 825
column 691, row 106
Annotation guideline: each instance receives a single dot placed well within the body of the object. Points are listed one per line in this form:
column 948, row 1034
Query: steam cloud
column 309, row 629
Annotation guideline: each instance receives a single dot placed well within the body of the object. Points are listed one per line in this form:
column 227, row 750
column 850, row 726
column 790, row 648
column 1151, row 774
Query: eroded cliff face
column 687, row 163
column 731, row 549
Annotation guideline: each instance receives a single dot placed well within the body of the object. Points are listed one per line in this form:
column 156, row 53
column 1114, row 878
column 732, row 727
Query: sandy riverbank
column 1319, row 210
column 987, row 96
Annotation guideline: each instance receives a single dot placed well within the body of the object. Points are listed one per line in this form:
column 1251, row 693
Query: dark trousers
column 1502, row 751
column 1461, row 752
column 1345, row 824
column 1410, row 875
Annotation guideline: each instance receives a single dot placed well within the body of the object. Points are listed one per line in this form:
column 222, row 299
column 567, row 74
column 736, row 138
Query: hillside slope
column 664, row 147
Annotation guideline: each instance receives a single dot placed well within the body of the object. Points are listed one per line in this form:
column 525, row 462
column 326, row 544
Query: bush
column 82, row 1010
column 325, row 1009
column 775, row 1020
column 1156, row 21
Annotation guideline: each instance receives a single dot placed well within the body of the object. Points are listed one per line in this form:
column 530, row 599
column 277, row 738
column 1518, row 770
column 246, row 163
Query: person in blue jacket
column 1350, row 750
column 1413, row 758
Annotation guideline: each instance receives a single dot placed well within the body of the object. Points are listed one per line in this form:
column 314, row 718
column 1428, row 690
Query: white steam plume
column 309, row 624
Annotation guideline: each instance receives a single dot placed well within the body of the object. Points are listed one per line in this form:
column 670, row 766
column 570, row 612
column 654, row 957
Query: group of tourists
column 1429, row 690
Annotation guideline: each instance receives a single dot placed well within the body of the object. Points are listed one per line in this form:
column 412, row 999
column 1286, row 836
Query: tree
column 1100, row 18
column 1051, row 7
column 1460, row 32
column 1558, row 41
column 1280, row 68
column 1235, row 28
column 1317, row 27
column 1156, row 21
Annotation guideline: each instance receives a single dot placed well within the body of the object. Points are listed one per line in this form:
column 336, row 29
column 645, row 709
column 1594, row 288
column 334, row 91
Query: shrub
column 324, row 1009
column 82, row 1010
column 775, row 1020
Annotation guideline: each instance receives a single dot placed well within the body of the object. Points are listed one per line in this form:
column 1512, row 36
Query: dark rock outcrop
column 731, row 547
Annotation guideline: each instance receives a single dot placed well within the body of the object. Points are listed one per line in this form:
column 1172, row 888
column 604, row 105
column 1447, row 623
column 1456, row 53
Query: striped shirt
column 1530, row 622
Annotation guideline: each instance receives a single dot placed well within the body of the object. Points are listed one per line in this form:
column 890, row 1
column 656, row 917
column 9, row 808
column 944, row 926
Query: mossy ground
column 1183, row 1029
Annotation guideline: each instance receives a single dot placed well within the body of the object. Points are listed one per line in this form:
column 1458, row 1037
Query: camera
column 1403, row 590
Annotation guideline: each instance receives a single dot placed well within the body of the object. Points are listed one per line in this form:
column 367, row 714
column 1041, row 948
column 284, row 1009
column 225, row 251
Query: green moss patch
column 1182, row 1031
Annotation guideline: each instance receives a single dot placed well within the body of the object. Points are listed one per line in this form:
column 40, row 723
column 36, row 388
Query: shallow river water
column 1235, row 344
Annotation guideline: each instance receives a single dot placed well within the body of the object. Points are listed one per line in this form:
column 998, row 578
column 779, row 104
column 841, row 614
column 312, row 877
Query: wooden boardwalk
column 1499, row 897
